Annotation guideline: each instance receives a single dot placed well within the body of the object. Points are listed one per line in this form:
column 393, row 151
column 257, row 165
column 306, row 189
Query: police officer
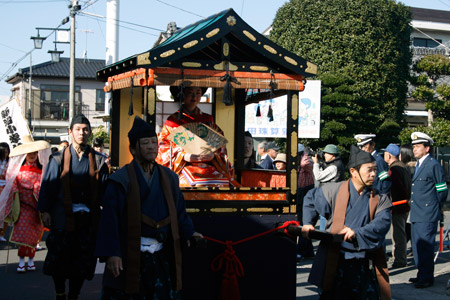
column 429, row 191
column 382, row 181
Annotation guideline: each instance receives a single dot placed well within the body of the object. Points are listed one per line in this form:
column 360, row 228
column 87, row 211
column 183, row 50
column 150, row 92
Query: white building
column 431, row 35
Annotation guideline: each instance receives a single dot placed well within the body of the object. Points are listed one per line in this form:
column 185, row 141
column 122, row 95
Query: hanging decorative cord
column 270, row 111
column 227, row 89
column 272, row 85
column 111, row 99
column 233, row 266
column 180, row 95
column 130, row 108
column 258, row 110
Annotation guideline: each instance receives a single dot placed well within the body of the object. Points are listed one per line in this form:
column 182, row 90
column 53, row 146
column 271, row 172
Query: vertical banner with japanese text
column 13, row 125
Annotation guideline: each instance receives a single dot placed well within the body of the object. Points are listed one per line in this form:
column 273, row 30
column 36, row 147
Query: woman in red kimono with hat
column 210, row 169
column 21, row 194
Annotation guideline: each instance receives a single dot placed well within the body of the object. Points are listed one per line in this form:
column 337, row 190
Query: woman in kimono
column 4, row 158
column 210, row 169
column 21, row 195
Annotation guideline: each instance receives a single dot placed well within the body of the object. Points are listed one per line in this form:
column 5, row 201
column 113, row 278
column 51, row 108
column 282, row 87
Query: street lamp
column 38, row 41
column 56, row 55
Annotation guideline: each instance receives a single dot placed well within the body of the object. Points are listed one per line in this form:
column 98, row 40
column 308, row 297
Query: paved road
column 36, row 286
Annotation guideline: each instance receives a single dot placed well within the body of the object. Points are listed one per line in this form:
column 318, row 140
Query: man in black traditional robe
column 142, row 225
column 70, row 200
column 362, row 217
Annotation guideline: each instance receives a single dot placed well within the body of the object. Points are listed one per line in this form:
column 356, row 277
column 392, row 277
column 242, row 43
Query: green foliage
column 362, row 51
column 435, row 65
column 423, row 93
column 388, row 133
column 431, row 68
column 99, row 132
column 421, row 79
column 439, row 132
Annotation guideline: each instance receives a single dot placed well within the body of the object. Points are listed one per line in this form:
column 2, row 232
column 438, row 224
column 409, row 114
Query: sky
column 141, row 23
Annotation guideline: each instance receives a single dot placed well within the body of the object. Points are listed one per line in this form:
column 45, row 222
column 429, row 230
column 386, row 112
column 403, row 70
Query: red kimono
column 3, row 168
column 28, row 228
column 217, row 172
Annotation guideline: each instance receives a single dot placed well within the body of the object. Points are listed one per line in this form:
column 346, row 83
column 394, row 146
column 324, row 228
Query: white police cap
column 420, row 137
column 363, row 139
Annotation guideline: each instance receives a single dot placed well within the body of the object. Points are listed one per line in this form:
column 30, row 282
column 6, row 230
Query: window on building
column 100, row 100
column 55, row 102
column 428, row 43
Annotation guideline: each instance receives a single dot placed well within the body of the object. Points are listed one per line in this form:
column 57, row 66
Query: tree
column 427, row 77
column 439, row 132
column 99, row 132
column 340, row 112
column 365, row 42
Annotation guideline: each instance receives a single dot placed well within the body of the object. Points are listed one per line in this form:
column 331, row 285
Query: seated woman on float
column 205, row 169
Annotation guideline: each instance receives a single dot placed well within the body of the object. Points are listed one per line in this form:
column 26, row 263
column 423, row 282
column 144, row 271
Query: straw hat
column 280, row 157
column 29, row 146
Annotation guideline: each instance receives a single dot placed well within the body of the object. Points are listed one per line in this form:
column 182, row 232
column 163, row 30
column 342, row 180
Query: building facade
column 49, row 104
column 430, row 35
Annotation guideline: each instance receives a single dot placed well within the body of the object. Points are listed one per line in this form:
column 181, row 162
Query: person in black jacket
column 400, row 190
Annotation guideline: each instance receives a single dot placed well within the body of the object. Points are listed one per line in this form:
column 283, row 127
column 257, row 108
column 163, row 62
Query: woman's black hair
column 38, row 163
column 406, row 153
column 98, row 142
column 4, row 148
column 252, row 158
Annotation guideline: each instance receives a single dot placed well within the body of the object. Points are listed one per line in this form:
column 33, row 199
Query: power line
column 89, row 3
column 102, row 19
column 121, row 21
column 14, row 64
column 12, row 48
column 29, row 1
column 189, row 12
column 446, row 4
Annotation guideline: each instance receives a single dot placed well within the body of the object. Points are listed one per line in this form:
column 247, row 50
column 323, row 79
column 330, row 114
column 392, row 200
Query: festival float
column 248, row 255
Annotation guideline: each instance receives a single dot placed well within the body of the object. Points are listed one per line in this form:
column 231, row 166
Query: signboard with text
column 13, row 126
column 308, row 118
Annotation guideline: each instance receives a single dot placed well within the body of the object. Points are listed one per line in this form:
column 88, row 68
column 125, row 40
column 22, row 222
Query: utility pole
column 112, row 43
column 74, row 7
column 29, row 92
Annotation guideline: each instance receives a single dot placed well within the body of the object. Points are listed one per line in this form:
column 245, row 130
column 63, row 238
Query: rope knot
column 287, row 224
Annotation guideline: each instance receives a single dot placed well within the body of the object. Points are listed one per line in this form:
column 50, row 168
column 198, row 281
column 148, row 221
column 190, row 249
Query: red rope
column 399, row 202
column 233, row 266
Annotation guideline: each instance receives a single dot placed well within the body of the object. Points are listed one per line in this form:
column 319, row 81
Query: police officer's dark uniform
column 382, row 182
column 429, row 191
